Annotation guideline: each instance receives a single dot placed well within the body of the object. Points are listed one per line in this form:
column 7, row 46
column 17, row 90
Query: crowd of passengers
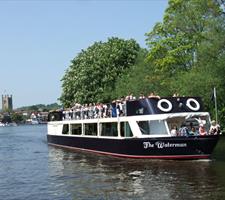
column 100, row 110
column 192, row 130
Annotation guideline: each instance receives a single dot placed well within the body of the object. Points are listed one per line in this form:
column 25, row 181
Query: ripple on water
column 30, row 169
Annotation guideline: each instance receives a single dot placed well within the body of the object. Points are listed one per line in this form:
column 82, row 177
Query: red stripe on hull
column 137, row 156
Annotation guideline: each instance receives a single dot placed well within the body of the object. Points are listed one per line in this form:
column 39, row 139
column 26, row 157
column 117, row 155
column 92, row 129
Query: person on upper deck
column 130, row 97
column 142, row 96
column 113, row 109
column 176, row 95
column 153, row 95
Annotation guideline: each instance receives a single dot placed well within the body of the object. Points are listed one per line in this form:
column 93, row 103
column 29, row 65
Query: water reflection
column 30, row 169
column 90, row 176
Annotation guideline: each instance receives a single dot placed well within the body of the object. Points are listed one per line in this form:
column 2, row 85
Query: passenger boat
column 144, row 131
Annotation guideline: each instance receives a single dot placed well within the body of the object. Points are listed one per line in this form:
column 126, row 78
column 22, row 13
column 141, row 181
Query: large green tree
column 137, row 79
column 93, row 72
column 174, row 42
column 179, row 59
column 187, row 50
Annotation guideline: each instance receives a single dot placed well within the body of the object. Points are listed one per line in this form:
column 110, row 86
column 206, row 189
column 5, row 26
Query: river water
column 30, row 169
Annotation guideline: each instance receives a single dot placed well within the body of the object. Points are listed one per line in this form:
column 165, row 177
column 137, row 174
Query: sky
column 39, row 38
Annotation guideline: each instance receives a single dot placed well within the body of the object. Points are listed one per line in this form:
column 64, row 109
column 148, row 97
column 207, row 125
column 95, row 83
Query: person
column 152, row 95
column 104, row 110
column 214, row 128
column 142, row 96
column 183, row 131
column 132, row 97
column 176, row 95
column 202, row 130
column 192, row 131
column 100, row 108
column 85, row 111
column 173, row 131
column 119, row 108
column 91, row 111
column 127, row 98
column 96, row 110
column 113, row 109
column 200, row 120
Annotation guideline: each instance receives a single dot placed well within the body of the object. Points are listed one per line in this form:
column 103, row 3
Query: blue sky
column 38, row 39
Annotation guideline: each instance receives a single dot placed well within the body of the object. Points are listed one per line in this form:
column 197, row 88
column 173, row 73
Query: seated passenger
column 173, row 131
column 202, row 130
column 214, row 129
column 183, row 131
column 192, row 131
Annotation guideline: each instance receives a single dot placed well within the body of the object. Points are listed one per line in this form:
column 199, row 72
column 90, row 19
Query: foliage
column 136, row 79
column 187, row 50
column 6, row 119
column 17, row 117
column 41, row 107
column 92, row 74
column 173, row 43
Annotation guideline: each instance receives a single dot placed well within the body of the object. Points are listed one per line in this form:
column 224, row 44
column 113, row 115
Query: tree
column 17, row 117
column 174, row 42
column 93, row 72
column 136, row 79
column 188, row 49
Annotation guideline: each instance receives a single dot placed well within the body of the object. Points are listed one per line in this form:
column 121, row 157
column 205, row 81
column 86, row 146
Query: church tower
column 7, row 104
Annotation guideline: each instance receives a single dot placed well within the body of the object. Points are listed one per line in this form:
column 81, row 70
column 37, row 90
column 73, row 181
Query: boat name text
column 161, row 145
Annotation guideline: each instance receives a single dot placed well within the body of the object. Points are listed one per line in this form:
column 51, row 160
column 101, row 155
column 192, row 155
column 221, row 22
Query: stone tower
column 7, row 104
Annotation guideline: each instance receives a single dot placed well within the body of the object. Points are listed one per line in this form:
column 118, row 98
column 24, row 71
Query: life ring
column 169, row 104
column 192, row 101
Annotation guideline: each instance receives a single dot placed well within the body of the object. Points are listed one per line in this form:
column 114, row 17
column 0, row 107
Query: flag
column 213, row 96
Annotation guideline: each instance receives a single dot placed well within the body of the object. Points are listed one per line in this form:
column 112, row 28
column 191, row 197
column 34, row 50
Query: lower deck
column 146, row 136
column 194, row 147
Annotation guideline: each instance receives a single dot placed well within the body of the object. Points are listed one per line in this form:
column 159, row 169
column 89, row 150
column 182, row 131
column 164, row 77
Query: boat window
column 76, row 129
column 65, row 129
column 125, row 130
column 190, row 123
column 90, row 129
column 155, row 127
column 108, row 129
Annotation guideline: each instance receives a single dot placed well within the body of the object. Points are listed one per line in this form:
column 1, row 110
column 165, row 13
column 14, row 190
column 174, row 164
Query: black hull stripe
column 203, row 156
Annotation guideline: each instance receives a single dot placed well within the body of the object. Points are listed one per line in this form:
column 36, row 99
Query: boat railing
column 95, row 112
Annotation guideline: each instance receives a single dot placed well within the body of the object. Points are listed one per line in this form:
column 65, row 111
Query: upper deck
column 146, row 106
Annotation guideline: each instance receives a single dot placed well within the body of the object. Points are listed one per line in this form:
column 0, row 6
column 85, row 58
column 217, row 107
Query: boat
column 2, row 124
column 143, row 131
column 32, row 121
column 7, row 124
